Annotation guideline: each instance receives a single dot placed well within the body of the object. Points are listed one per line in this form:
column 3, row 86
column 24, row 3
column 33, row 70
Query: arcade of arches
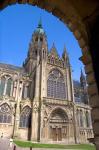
column 82, row 18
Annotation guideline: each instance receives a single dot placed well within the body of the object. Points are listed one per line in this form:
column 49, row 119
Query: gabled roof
column 53, row 52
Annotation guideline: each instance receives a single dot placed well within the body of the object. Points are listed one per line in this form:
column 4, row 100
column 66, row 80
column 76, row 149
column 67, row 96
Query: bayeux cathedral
column 40, row 101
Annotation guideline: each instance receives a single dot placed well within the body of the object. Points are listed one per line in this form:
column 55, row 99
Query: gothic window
column 81, row 118
column 26, row 92
column 56, row 85
column 35, row 52
column 25, row 118
column 41, row 39
column 8, row 88
column 36, row 39
column 2, row 85
column 5, row 114
column 87, row 119
column 78, row 117
column 5, row 86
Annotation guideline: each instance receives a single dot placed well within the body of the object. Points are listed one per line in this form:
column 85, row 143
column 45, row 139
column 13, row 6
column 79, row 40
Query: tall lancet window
column 2, row 85
column 25, row 118
column 8, row 89
column 56, row 85
column 5, row 85
column 5, row 114
column 88, row 119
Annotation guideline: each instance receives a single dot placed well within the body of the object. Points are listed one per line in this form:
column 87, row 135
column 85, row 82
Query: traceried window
column 5, row 114
column 25, row 118
column 5, row 85
column 56, row 85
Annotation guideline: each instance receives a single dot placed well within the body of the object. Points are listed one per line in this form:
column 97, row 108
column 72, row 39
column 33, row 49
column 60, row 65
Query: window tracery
column 5, row 114
column 25, row 118
column 56, row 85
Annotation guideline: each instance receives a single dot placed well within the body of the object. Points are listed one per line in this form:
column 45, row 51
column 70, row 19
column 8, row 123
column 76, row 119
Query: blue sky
column 17, row 23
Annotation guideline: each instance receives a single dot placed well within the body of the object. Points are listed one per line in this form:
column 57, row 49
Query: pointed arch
column 60, row 113
column 56, row 85
column 58, row 124
column 5, row 113
column 8, row 88
column 81, row 118
column 87, row 115
column 25, row 117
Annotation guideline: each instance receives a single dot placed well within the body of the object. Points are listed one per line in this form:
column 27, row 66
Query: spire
column 53, row 51
column 82, row 75
column 82, row 79
column 64, row 55
column 39, row 28
column 40, row 23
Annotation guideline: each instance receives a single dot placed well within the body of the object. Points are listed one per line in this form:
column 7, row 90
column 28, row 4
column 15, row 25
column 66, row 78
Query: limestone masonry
column 40, row 101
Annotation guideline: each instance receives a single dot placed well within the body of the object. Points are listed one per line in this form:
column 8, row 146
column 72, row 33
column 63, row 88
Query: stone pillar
column 35, row 122
column 35, row 125
column 93, row 96
column 17, row 111
column 69, row 85
column 75, row 125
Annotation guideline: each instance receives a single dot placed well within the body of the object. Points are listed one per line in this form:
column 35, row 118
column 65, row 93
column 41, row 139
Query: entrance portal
column 58, row 125
column 56, row 134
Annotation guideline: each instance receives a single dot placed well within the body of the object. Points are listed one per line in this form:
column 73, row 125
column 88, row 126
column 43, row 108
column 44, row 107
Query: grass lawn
column 57, row 146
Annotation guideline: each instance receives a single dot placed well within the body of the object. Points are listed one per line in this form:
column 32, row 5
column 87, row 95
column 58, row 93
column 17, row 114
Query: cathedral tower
column 37, row 49
column 35, row 65
column 37, row 100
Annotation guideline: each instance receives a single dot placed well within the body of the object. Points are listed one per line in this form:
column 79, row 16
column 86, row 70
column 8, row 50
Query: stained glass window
column 5, row 114
column 25, row 118
column 56, row 85
column 2, row 85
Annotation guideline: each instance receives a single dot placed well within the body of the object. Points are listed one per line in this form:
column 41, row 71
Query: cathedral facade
column 40, row 101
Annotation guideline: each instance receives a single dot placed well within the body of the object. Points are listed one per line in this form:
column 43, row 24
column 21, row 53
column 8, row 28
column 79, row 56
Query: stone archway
column 58, row 125
column 79, row 20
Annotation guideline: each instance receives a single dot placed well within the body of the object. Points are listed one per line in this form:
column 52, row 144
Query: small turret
column 65, row 57
column 53, row 51
column 82, row 80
